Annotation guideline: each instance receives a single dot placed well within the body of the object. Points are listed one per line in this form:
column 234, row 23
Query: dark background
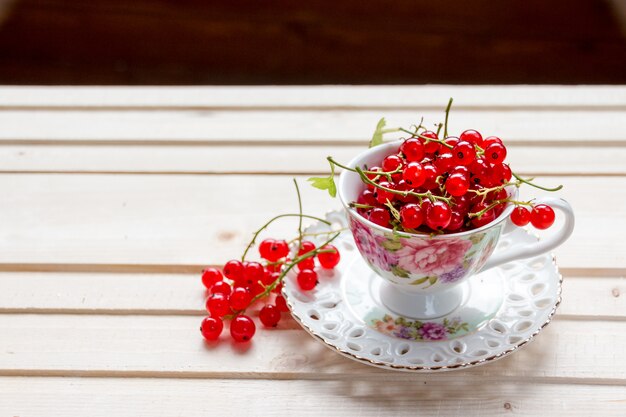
column 312, row 42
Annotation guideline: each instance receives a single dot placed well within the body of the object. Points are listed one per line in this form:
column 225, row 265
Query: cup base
column 421, row 306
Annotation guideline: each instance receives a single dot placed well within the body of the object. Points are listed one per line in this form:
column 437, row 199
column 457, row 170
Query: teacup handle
column 528, row 250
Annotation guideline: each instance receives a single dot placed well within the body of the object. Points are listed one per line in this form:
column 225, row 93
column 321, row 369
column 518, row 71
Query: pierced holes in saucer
column 543, row 303
column 348, row 246
column 479, row 353
column 513, row 340
column 516, row 298
column 458, row 346
column 498, row 327
column 314, row 314
column 356, row 333
column 523, row 325
column 537, row 289
column 416, row 361
column 525, row 313
column 329, row 336
column 377, row 351
column 538, row 263
column 528, row 277
column 331, row 325
column 330, row 304
column 403, row 349
column 354, row 346
column 437, row 358
column 300, row 296
column 492, row 343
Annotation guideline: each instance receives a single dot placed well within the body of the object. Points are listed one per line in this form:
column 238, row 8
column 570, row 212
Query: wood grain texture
column 137, row 397
column 183, row 294
column 177, row 221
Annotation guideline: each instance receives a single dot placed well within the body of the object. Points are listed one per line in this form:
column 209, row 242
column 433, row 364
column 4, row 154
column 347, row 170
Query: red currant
column 485, row 218
column 431, row 177
column 217, row 305
column 429, row 146
column 252, row 272
column 457, row 184
column 472, row 137
column 391, row 163
column 382, row 196
column 240, row 298
column 242, row 328
column 461, row 203
column 329, row 260
column 542, row 216
column 414, row 174
column 452, row 140
column 464, row 153
column 380, row 216
column 211, row 328
column 460, row 169
column 373, row 176
column 444, row 162
column 281, row 303
column 411, row 216
column 306, row 246
column 269, row 315
column 413, row 150
column 307, row 279
column 264, row 248
column 278, row 250
column 306, row 264
column 233, row 270
column 438, row 215
column 456, row 221
column 500, row 174
column 491, row 139
column 221, row 287
column 210, row 276
column 495, row 153
column 520, row 216
column 367, row 197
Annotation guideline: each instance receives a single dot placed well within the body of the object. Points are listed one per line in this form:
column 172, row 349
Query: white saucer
column 502, row 309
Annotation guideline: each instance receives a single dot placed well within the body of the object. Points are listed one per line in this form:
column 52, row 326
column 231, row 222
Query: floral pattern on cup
column 418, row 330
column 423, row 261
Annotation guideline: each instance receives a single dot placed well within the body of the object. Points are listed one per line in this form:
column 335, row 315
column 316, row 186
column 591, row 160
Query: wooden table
column 113, row 199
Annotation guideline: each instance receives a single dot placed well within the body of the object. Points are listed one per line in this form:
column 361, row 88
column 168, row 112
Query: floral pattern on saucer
column 417, row 330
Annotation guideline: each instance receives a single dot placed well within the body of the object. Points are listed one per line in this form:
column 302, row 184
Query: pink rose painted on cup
column 432, row 256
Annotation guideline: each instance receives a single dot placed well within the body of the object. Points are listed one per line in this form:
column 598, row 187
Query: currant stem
column 520, row 179
column 498, row 202
column 256, row 234
column 427, row 139
column 445, row 129
column 387, row 174
column 313, row 235
column 363, row 206
column 295, row 183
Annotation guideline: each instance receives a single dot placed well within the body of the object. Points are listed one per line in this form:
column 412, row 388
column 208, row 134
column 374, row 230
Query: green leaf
column 377, row 137
column 432, row 280
column 397, row 271
column 419, row 281
column 326, row 183
column 392, row 245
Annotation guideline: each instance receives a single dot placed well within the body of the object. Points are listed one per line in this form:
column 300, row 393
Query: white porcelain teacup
column 423, row 272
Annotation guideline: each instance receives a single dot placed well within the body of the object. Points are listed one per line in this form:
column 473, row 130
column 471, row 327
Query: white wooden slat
column 91, row 345
column 182, row 220
column 274, row 158
column 137, row 397
column 331, row 127
column 315, row 96
column 182, row 294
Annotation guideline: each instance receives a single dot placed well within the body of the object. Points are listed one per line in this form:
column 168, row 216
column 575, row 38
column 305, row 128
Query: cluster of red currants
column 446, row 185
column 240, row 284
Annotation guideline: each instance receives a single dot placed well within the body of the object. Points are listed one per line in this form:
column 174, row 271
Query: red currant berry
column 278, row 288
column 411, row 216
column 265, row 248
column 210, row 276
column 269, row 315
column 402, row 185
column 444, row 162
column 457, row 185
column 414, row 174
column 306, row 246
column 329, row 260
column 240, row 298
column 242, row 328
column 456, row 221
column 279, row 249
column 373, row 176
column 233, row 270
column 485, row 218
column 306, row 264
column 281, row 303
column 382, row 196
column 472, row 137
column 211, row 328
column 479, row 167
column 491, row 139
column 307, row 279
column 520, row 216
column 438, row 215
column 452, row 141
column 221, row 287
column 252, row 272
column 431, row 177
column 217, row 305
column 367, row 197
column 268, row 277
column 429, row 146
column 464, row 153
column 391, row 163
column 461, row 203
column 380, row 216
column 542, row 216
column 495, row 153
column 413, row 150
column 500, row 174
column 460, row 169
